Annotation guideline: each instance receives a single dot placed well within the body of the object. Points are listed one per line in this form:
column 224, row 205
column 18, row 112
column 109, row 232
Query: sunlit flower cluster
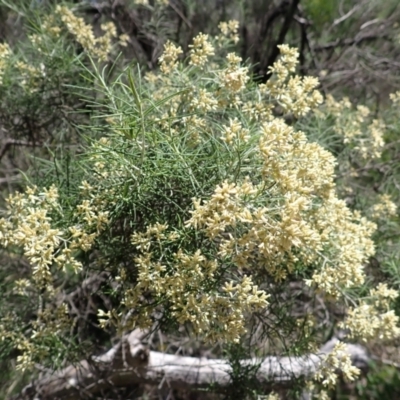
column 336, row 360
column 234, row 77
column 30, row 75
column 285, row 65
column 351, row 245
column 234, row 132
column 50, row 322
column 382, row 296
column 336, row 107
column 96, row 47
column 49, row 25
column 216, row 314
column 230, row 30
column 395, row 97
column 373, row 318
column 169, row 58
column 5, row 52
column 201, row 49
column 293, row 94
column 366, row 322
column 258, row 110
column 303, row 216
column 30, row 224
column 384, row 208
column 357, row 128
column 203, row 101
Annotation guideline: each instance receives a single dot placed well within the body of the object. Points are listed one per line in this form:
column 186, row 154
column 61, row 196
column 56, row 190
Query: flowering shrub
column 203, row 202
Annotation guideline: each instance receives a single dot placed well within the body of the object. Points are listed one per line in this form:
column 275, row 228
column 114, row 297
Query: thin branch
column 7, row 143
column 180, row 14
column 350, row 42
column 10, row 179
column 347, row 15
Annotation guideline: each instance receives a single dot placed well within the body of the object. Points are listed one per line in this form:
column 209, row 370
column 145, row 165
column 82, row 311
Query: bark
column 131, row 362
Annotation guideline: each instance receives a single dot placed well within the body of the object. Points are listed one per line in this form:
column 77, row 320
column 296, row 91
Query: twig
column 350, row 42
column 176, row 9
column 12, row 142
column 347, row 15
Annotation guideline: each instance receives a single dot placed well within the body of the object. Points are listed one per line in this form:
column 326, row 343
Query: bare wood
column 351, row 42
column 7, row 143
column 130, row 362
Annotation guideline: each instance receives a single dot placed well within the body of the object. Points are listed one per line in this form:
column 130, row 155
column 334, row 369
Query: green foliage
column 321, row 12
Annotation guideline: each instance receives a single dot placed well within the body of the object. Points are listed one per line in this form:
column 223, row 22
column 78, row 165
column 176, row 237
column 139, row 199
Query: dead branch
column 7, row 143
column 130, row 362
column 291, row 9
column 351, row 42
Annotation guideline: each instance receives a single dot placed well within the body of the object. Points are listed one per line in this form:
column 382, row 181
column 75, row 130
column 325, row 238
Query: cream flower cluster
column 49, row 26
column 293, row 94
column 365, row 322
column 5, row 53
column 215, row 314
column 201, row 49
column 234, row 77
column 234, row 132
column 100, row 47
column 384, row 208
column 395, row 97
column 303, row 216
column 277, row 235
column 373, row 318
column 30, row 224
column 29, row 74
column 50, row 322
column 203, row 101
column 349, row 238
column 269, row 212
column 169, row 58
column 338, row 359
column 357, row 127
column 230, row 30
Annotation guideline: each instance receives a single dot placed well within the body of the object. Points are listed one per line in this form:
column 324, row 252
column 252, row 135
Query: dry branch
column 7, row 143
column 130, row 362
column 351, row 42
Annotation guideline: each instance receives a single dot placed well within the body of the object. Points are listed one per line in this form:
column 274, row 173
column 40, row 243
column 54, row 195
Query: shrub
column 211, row 214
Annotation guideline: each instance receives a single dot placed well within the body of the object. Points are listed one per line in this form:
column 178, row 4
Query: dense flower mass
column 30, row 223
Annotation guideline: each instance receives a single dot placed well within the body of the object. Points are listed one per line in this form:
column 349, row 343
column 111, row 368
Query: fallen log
column 130, row 362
